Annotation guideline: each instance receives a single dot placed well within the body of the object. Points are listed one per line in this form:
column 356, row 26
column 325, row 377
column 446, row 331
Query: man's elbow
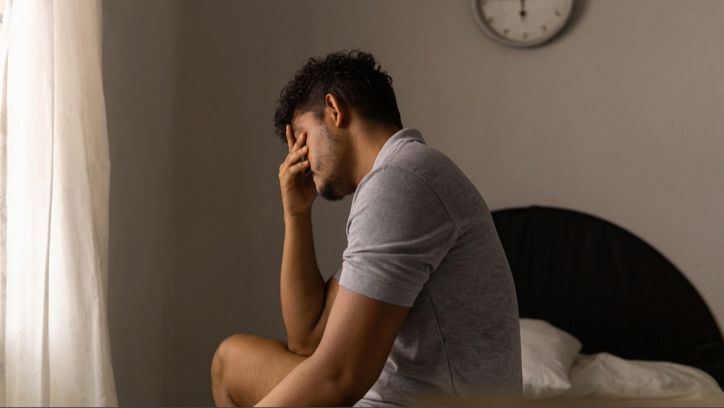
column 349, row 385
column 354, row 391
column 302, row 347
column 335, row 390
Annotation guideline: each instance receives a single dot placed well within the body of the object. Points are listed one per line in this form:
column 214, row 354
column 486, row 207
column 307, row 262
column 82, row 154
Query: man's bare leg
column 245, row 368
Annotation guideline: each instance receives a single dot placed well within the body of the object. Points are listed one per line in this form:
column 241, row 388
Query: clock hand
column 523, row 13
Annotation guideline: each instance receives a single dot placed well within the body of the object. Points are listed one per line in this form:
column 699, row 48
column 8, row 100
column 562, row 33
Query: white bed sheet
column 553, row 368
column 605, row 376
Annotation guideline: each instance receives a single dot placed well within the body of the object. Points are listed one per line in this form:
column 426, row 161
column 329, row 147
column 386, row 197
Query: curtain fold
column 56, row 167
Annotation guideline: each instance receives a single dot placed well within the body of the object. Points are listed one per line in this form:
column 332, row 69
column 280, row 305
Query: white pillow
column 605, row 376
column 547, row 354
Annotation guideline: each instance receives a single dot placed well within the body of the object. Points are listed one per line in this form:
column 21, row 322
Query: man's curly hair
column 353, row 77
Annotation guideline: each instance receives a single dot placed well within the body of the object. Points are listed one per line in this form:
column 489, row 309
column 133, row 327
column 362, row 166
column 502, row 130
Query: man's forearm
column 314, row 383
column 301, row 285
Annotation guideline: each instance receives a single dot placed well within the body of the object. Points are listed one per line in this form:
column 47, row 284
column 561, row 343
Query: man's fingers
column 296, row 155
column 290, row 137
column 293, row 170
column 301, row 140
column 293, row 158
column 299, row 167
column 293, row 163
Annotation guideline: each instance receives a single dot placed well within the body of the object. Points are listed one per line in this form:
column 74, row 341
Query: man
column 424, row 302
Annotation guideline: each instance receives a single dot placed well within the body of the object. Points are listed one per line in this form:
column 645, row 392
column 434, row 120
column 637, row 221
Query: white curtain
column 54, row 179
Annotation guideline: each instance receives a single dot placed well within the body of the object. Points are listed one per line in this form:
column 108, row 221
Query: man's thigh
column 248, row 367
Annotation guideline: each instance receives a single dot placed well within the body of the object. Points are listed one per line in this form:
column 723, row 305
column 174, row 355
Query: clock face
column 522, row 23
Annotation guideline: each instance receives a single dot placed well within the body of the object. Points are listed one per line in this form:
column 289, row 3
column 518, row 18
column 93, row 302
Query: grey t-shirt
column 420, row 235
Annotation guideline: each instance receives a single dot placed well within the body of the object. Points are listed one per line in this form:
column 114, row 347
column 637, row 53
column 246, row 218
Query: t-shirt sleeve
column 398, row 232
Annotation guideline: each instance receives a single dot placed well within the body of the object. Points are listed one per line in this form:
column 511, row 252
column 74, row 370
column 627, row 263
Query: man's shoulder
column 429, row 165
column 415, row 159
column 394, row 179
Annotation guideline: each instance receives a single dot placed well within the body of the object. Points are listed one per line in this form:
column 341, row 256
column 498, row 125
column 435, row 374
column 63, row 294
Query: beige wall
column 227, row 217
column 138, row 61
column 619, row 117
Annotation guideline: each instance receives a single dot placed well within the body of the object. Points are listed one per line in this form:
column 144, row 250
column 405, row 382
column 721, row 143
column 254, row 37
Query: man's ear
column 337, row 111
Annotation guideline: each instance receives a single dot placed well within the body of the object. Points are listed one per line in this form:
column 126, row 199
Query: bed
column 597, row 295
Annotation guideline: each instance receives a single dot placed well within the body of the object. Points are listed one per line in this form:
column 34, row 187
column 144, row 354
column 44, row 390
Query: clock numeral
column 525, row 35
column 545, row 28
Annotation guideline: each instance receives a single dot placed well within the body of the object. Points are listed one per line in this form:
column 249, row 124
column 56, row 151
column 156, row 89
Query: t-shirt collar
column 390, row 145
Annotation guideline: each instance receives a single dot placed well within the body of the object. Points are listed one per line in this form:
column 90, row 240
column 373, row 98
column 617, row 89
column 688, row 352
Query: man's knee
column 245, row 367
column 225, row 358
column 229, row 350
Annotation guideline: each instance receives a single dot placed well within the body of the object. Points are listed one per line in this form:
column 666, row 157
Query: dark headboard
column 607, row 287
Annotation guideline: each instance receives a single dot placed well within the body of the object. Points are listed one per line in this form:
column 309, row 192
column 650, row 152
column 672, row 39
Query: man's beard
column 327, row 192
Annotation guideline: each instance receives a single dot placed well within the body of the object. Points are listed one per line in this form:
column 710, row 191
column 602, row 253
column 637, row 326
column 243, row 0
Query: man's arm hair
column 306, row 299
column 307, row 345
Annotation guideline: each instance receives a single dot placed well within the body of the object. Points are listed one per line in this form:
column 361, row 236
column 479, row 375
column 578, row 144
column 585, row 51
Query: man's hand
column 298, row 189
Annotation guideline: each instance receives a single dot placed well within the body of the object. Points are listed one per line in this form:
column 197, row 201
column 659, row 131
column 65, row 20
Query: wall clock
column 522, row 23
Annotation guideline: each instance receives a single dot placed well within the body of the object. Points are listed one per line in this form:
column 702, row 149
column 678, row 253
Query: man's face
column 328, row 156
